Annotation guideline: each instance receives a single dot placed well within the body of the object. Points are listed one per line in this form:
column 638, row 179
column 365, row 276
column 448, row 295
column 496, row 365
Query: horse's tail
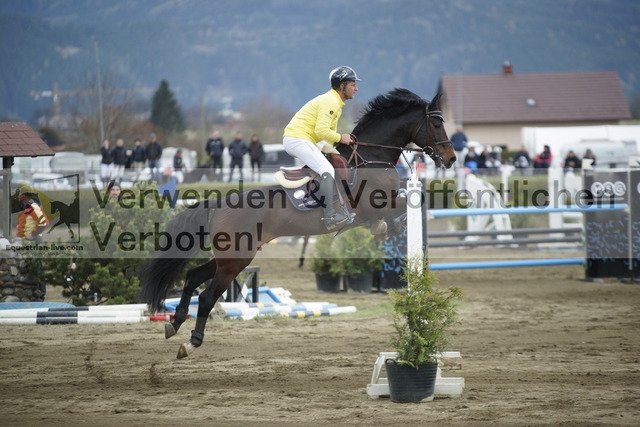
column 161, row 272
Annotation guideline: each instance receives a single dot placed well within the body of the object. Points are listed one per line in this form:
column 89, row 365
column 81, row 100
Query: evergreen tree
column 165, row 111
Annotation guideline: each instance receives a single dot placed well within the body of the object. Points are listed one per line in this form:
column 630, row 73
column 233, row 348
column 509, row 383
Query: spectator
column 472, row 160
column 256, row 152
column 106, row 163
column 138, row 157
column 214, row 148
column 153, row 152
column 492, row 161
column 572, row 162
column 521, row 159
column 113, row 190
column 167, row 189
column 119, row 156
column 591, row 156
column 543, row 160
column 237, row 150
column 459, row 140
column 482, row 161
column 178, row 166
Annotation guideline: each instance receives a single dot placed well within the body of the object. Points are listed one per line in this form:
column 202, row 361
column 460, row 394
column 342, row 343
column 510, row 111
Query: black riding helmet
column 340, row 75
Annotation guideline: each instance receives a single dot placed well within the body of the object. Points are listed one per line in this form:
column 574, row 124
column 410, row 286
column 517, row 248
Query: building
column 17, row 139
column 493, row 108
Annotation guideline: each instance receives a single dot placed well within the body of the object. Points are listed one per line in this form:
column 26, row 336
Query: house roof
column 541, row 97
column 17, row 139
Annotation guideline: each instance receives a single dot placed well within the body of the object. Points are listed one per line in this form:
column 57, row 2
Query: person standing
column 106, row 163
column 153, row 152
column 138, row 157
column 256, row 152
column 237, row 150
column 589, row 155
column 214, row 148
column 313, row 130
column 459, row 141
column 178, row 166
column 119, row 156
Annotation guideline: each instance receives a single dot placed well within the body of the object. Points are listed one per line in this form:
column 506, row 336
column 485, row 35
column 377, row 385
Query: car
column 51, row 181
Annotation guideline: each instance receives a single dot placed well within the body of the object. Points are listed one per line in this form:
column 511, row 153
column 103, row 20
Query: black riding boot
column 326, row 195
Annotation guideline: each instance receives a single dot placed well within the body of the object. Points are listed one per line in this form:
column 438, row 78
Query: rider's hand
column 345, row 138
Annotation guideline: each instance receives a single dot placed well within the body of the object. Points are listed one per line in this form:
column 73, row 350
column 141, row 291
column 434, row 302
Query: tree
column 165, row 111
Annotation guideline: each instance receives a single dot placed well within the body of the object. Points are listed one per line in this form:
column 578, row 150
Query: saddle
column 295, row 177
column 298, row 182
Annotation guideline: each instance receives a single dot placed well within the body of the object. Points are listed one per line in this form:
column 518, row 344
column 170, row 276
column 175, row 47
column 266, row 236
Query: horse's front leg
column 393, row 221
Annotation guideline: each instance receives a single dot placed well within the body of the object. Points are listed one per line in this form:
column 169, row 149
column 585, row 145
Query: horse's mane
column 392, row 104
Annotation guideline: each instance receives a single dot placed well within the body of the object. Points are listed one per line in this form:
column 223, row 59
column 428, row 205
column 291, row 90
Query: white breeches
column 309, row 154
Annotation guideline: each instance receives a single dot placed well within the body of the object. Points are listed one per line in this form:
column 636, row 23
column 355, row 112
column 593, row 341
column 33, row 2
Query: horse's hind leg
column 207, row 299
column 70, row 230
column 195, row 277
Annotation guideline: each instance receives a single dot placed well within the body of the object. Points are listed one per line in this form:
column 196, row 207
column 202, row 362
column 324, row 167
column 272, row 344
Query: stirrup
column 350, row 215
column 338, row 219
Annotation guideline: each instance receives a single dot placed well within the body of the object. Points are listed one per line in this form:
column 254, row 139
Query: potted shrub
column 360, row 256
column 325, row 264
column 422, row 315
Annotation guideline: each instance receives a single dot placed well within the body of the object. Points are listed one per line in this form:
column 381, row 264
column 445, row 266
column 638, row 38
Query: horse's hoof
column 185, row 350
column 169, row 330
column 379, row 227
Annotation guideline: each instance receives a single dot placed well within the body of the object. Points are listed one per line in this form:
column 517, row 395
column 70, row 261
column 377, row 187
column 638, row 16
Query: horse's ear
column 435, row 102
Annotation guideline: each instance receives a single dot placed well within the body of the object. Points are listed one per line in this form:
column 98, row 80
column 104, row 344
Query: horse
column 68, row 214
column 390, row 123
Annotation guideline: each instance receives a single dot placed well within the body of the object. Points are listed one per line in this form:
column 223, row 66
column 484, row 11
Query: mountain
column 239, row 51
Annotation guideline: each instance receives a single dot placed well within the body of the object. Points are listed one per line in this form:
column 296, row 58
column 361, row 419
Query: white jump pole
column 415, row 252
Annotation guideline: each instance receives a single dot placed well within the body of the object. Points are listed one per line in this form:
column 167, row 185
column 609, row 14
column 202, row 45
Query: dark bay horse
column 240, row 224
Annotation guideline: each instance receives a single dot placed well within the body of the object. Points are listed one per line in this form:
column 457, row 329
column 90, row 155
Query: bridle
column 427, row 149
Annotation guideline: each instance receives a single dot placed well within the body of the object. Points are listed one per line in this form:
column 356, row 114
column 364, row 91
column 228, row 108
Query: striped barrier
column 296, row 310
column 506, row 263
column 317, row 313
column 444, row 213
column 56, row 315
column 70, row 320
column 69, row 313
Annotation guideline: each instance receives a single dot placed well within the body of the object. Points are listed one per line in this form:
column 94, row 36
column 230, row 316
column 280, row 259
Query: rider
column 312, row 127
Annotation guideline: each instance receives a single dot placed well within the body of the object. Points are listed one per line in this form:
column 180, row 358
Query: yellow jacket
column 318, row 119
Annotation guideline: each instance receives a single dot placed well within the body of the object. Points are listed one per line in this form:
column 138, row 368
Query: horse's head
column 435, row 142
column 400, row 117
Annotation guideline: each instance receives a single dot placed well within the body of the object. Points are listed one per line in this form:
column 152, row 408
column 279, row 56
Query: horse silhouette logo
column 67, row 215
